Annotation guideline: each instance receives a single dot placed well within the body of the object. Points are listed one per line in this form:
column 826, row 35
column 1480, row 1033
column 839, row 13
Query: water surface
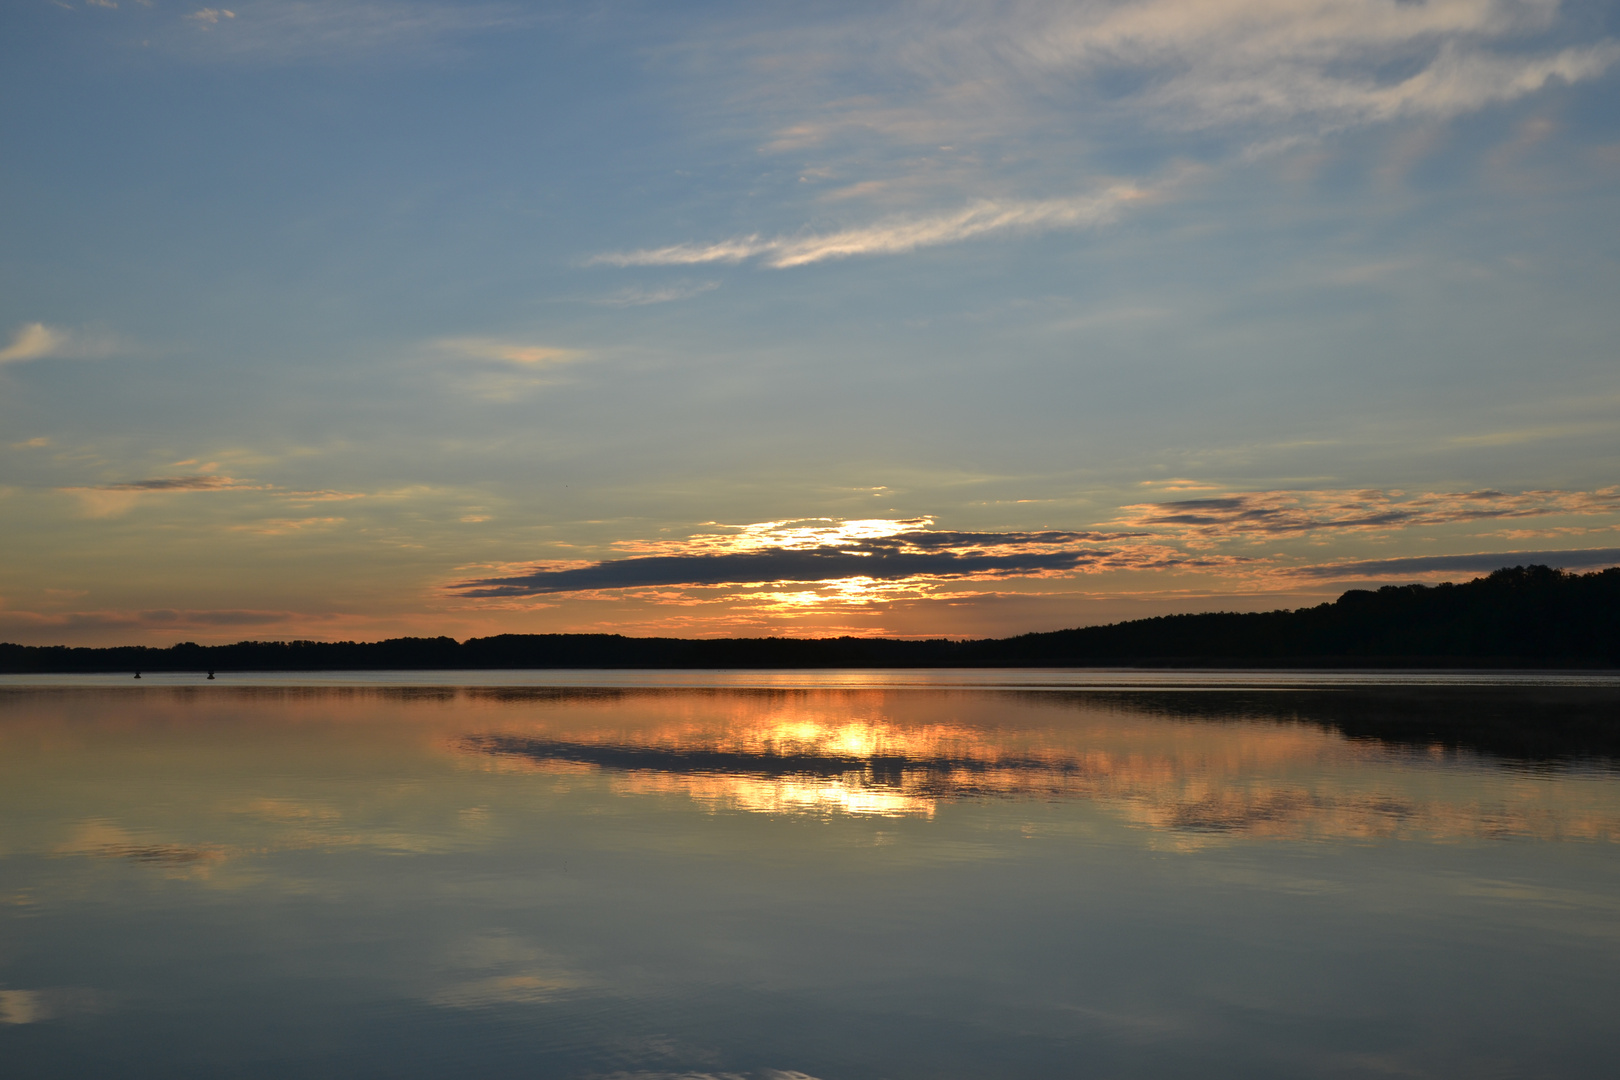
column 844, row 875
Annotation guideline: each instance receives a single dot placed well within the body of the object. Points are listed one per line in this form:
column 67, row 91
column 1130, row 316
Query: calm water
column 830, row 874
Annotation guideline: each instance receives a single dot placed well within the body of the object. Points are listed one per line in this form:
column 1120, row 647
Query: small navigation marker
column 137, row 674
column 210, row 674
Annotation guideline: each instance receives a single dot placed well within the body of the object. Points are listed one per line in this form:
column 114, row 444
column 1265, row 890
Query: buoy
column 210, row 674
column 137, row 674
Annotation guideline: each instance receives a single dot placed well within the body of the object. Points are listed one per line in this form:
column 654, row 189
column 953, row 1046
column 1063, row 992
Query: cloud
column 1578, row 559
column 291, row 31
column 660, row 295
column 769, row 566
column 1306, row 65
column 1456, row 82
column 1324, row 63
column 104, row 500
column 500, row 369
column 108, row 500
column 37, row 341
column 1294, row 513
column 206, row 482
column 809, row 534
column 216, row 617
column 817, row 562
column 155, row 619
column 868, row 550
column 895, row 235
column 1314, row 516
column 283, row 526
column 990, row 106
column 321, row 496
column 506, row 351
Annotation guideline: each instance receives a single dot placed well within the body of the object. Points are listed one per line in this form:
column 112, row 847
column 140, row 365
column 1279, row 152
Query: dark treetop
column 1523, row 616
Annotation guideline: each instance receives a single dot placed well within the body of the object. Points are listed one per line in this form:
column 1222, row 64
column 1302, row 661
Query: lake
column 839, row 875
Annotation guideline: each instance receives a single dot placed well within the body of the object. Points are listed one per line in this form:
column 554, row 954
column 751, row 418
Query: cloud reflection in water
column 704, row 882
column 1248, row 776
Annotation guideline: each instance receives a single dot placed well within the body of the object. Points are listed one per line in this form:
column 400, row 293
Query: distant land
column 1524, row 616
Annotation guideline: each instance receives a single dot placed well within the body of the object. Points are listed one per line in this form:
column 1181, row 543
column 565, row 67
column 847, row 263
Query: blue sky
column 316, row 314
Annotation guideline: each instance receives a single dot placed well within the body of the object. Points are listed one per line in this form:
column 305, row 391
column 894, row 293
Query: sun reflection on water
column 828, row 754
column 785, row 795
column 1199, row 781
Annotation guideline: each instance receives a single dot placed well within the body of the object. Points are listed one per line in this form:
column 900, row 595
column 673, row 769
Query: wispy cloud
column 1484, row 561
column 284, row 526
column 211, row 16
column 152, row 619
column 203, row 482
column 110, row 500
column 505, row 351
column 894, row 235
column 1307, row 65
column 327, row 495
column 502, row 369
column 1294, row 513
column 1331, row 63
column 661, row 294
column 924, row 104
column 38, row 341
column 291, row 31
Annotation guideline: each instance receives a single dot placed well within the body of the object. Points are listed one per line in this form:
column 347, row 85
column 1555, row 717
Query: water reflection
column 107, row 839
column 844, row 883
column 37, row 1006
column 1221, row 766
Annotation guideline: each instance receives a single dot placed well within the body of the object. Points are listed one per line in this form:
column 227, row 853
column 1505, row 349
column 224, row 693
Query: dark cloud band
column 1292, row 513
column 869, row 560
column 207, row 482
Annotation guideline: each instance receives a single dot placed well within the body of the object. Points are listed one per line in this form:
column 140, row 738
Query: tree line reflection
column 1205, row 766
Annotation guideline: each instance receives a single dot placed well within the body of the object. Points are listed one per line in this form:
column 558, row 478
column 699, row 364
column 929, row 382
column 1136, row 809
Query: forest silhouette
column 1524, row 616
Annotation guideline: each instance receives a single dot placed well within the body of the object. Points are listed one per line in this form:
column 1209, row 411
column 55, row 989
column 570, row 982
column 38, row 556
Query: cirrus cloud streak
column 1482, row 562
column 1294, row 513
column 1323, row 63
column 895, row 235
column 39, row 341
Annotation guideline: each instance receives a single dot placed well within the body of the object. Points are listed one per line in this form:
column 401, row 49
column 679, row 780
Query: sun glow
column 826, row 595
column 829, row 753
column 789, row 534
column 782, row 795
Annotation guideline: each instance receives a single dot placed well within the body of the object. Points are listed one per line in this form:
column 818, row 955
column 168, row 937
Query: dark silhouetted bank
column 1516, row 617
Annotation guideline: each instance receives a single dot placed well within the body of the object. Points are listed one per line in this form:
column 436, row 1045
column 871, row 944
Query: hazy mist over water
column 1146, row 874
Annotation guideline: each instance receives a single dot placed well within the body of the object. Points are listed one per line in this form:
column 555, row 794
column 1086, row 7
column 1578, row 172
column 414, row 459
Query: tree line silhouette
column 1518, row 616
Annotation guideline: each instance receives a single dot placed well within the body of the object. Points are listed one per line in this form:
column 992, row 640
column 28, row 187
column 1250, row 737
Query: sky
column 350, row 319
